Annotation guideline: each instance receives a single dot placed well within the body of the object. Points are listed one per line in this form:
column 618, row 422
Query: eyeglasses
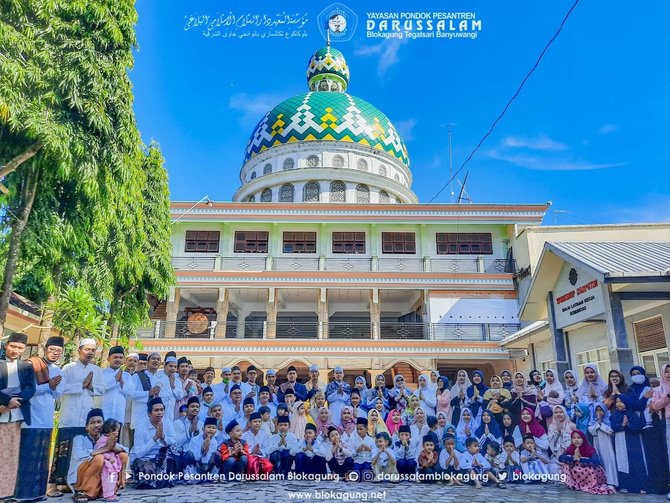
column 54, row 350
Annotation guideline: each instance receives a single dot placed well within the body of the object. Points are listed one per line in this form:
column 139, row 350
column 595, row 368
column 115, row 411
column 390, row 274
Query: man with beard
column 292, row 383
column 17, row 387
column 114, row 399
column 148, row 384
column 83, row 383
column 36, row 437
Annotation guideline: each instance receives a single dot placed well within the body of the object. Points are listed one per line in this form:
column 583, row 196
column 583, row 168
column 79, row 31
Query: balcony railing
column 257, row 263
column 360, row 330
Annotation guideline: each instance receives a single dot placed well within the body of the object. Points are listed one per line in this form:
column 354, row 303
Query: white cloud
column 536, row 161
column 406, row 129
column 252, row 108
column 387, row 52
column 608, row 128
column 541, row 142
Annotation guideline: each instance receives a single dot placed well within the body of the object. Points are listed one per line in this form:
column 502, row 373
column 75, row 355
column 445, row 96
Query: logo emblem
column 338, row 22
column 573, row 276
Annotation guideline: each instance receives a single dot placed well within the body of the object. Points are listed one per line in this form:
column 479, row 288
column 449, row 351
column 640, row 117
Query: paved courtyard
column 277, row 492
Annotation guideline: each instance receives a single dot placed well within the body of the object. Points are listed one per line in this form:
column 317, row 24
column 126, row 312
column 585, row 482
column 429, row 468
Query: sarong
column 62, row 454
column 34, row 463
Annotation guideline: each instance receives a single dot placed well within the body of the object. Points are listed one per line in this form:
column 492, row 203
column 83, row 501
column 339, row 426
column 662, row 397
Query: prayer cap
column 226, row 369
column 263, row 389
column 251, row 367
column 289, row 391
column 94, row 413
column 116, row 350
column 339, row 369
column 154, row 401
column 270, row 372
column 210, row 421
column 87, row 342
column 235, row 387
column 181, row 360
column 362, row 420
column 208, row 389
column 193, row 399
column 292, row 369
column 248, row 401
column 133, row 355
column 171, row 359
column 263, row 409
column 143, row 357
column 313, row 368
column 254, row 415
column 55, row 340
column 230, row 426
column 404, row 428
column 310, row 426
column 331, row 429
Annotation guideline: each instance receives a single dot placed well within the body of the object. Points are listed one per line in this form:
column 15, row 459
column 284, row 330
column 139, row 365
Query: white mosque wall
column 467, row 310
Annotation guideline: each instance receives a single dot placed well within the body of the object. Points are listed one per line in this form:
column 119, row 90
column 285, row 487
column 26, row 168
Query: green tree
column 65, row 109
column 77, row 316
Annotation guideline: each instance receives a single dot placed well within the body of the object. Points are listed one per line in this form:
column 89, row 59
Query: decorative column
column 375, row 313
column 322, row 313
column 221, row 313
column 172, row 311
column 271, row 314
column 241, row 322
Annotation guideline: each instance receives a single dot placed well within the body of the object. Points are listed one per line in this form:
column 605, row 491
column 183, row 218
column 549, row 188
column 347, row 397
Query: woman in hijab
column 497, row 399
column 506, row 377
column 511, row 429
column 475, row 394
column 434, row 377
column 552, row 395
column 559, row 432
column 581, row 467
column 466, row 425
column 443, row 394
column 361, row 385
column 376, row 424
column 529, row 425
column 394, row 422
column 616, row 385
column 631, row 467
column 582, row 417
column 399, row 395
column 348, row 425
column 427, row 396
column 379, row 391
column 592, row 388
column 442, row 422
column 459, row 394
column 652, row 438
column 523, row 395
column 408, row 413
column 601, row 431
column 299, row 419
column 323, row 422
column 419, row 427
column 570, row 392
column 488, row 431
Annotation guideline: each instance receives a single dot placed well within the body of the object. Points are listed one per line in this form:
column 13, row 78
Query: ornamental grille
column 311, row 192
column 337, row 192
column 266, row 196
column 338, row 161
column 382, row 170
column 267, row 169
column 362, row 164
column 312, row 161
column 288, row 163
column 362, row 194
column 286, row 193
column 384, row 197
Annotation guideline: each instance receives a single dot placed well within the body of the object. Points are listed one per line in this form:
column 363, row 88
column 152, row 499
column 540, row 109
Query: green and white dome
column 327, row 116
column 327, row 70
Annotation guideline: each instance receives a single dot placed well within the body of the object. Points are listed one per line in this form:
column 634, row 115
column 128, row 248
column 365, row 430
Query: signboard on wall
column 576, row 296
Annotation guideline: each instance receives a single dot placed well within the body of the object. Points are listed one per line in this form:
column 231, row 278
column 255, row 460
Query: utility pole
column 451, row 168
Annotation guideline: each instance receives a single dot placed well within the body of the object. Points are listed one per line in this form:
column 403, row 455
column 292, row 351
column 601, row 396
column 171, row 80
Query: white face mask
column 638, row 378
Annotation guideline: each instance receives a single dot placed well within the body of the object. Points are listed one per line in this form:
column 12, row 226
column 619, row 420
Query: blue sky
column 589, row 132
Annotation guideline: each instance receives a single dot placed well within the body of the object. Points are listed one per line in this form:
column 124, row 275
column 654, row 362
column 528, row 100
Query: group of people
column 166, row 424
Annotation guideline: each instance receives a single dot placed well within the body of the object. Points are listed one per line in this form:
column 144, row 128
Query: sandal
column 80, row 497
column 55, row 493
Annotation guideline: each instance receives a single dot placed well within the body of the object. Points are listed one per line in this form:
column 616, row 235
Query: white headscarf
column 458, row 388
column 599, row 387
column 555, row 386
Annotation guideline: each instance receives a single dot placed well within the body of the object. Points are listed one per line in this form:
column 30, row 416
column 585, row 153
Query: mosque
column 326, row 256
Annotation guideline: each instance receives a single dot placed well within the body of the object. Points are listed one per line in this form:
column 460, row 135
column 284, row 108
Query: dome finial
column 328, row 37
column 327, row 70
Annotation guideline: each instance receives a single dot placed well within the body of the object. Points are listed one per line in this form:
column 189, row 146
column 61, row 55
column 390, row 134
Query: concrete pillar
column 558, row 342
column 621, row 355
column 375, row 313
column 221, row 313
column 271, row 314
column 172, row 311
column 322, row 313
column 241, row 322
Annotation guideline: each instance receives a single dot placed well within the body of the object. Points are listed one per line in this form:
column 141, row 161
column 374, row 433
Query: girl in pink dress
column 112, row 465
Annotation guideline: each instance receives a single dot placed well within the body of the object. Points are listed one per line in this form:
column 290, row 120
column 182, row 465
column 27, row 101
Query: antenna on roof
column 328, row 36
column 463, row 195
column 451, row 191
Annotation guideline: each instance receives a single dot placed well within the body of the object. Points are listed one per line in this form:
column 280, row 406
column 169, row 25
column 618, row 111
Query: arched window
column 362, row 164
column 362, row 194
column 312, row 161
column 251, row 199
column 253, row 175
column 266, row 196
column 398, row 200
column 288, row 163
column 384, row 197
column 337, row 192
column 286, row 193
column 323, row 85
column 267, row 169
column 396, row 177
column 382, row 170
column 338, row 161
column 311, row 192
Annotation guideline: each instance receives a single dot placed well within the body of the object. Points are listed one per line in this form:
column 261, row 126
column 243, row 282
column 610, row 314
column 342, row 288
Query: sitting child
column 497, row 466
column 337, row 453
column 383, row 459
column 429, row 465
column 234, row 451
column 112, row 464
column 267, row 424
column 406, row 451
column 475, row 464
column 308, row 459
column 449, row 459
column 361, row 445
column 510, row 460
column 204, row 447
column 534, row 462
column 279, row 445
